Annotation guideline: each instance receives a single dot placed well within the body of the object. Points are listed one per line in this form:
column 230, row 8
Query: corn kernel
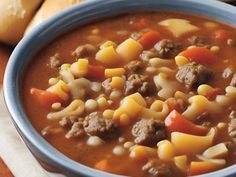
column 56, row 106
column 215, row 49
column 181, row 60
column 108, row 56
column 53, row 81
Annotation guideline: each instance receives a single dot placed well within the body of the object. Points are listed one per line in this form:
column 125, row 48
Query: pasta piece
column 181, row 162
column 158, row 62
column 165, row 150
column 114, row 72
column 158, row 110
column 198, row 143
column 168, row 88
column 61, row 89
column 80, row 68
column 81, row 87
column 178, row 27
column 182, row 95
column 117, row 82
column 200, row 104
column 76, row 108
column 108, row 44
column 108, row 56
column 219, row 150
column 66, row 73
column 142, row 153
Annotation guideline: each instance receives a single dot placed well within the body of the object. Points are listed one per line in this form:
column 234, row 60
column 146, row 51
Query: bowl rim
column 59, row 22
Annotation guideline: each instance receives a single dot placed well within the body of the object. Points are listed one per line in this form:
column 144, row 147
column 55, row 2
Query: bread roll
column 15, row 16
column 48, row 9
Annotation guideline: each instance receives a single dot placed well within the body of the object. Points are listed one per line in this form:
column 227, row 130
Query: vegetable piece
column 96, row 73
column 219, row 150
column 178, row 27
column 198, row 143
column 211, row 94
column 222, row 35
column 165, row 150
column 197, row 168
column 117, row 82
column 129, row 50
column 104, row 165
column 138, row 98
column 181, row 162
column 200, row 55
column 108, row 56
column 114, row 72
column 45, row 98
column 61, row 89
column 129, row 107
column 80, row 68
column 142, row 153
column 108, row 44
column 175, row 122
column 149, row 39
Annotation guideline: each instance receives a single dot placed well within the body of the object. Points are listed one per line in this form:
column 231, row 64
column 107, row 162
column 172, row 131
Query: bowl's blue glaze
column 72, row 18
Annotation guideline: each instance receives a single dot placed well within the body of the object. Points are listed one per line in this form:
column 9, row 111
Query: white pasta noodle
column 81, row 87
column 61, row 89
column 75, row 108
column 65, row 73
column 200, row 104
column 158, row 110
column 158, row 62
column 168, row 87
column 166, row 70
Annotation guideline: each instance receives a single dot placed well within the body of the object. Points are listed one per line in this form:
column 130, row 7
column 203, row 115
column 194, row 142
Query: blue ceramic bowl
column 62, row 23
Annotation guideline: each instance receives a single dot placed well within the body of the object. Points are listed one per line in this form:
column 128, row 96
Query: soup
column 146, row 94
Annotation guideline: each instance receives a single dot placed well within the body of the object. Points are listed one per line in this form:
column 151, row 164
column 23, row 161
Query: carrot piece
column 96, row 72
column 211, row 95
column 223, row 35
column 176, row 123
column 104, row 165
column 149, row 39
column 197, row 168
column 200, row 55
column 45, row 98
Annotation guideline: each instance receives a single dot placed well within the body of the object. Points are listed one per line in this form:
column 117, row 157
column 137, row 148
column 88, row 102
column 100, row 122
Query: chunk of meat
column 95, row 124
column 199, row 41
column 106, row 85
column 193, row 75
column 167, row 48
column 228, row 73
column 176, row 104
column 155, row 168
column 149, row 131
column 148, row 54
column 76, row 130
column 68, row 121
column 84, row 50
column 204, row 119
column 232, row 126
column 140, row 83
column 233, row 81
column 55, row 61
column 134, row 67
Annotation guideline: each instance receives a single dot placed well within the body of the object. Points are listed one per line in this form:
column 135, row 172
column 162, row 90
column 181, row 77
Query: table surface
column 4, row 54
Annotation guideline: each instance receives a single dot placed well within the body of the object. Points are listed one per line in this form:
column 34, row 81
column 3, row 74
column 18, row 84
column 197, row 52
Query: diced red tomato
column 149, row 39
column 200, row 55
column 175, row 122
column 45, row 98
column 96, row 73
column 198, row 168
